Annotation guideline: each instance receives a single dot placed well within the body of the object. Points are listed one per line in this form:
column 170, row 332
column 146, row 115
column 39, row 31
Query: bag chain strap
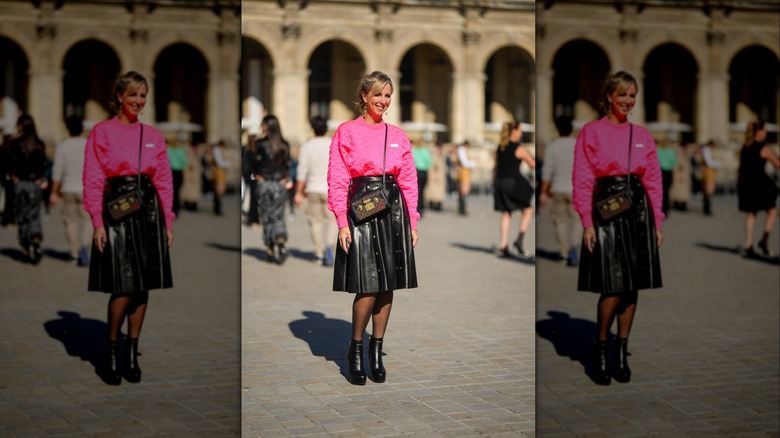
column 384, row 160
column 140, row 143
column 630, row 140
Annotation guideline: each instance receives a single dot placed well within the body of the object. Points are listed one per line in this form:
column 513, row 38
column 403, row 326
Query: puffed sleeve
column 93, row 178
column 163, row 179
column 582, row 178
column 338, row 176
column 407, row 179
column 653, row 181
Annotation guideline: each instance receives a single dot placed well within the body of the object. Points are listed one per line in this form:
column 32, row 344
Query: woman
column 27, row 163
column 512, row 190
column 375, row 257
column 620, row 254
column 272, row 173
column 755, row 189
column 130, row 255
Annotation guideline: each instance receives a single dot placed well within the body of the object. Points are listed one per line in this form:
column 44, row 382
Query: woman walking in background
column 27, row 163
column 272, row 172
column 512, row 190
column 130, row 254
column 755, row 189
column 618, row 191
column 374, row 257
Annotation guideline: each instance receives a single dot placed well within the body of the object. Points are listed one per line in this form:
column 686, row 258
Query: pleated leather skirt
column 135, row 257
column 381, row 257
column 625, row 257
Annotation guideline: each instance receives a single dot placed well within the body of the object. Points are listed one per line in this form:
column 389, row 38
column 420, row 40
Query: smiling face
column 622, row 101
column 132, row 101
column 377, row 101
column 760, row 134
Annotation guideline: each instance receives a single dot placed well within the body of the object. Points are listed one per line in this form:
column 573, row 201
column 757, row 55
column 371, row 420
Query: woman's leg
column 362, row 308
column 503, row 228
column 117, row 308
column 607, row 308
column 771, row 218
column 750, row 224
column 381, row 313
column 136, row 311
column 625, row 313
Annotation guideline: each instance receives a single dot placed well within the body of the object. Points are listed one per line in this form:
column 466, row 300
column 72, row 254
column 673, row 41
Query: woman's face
column 515, row 134
column 760, row 134
column 133, row 101
column 622, row 101
column 377, row 104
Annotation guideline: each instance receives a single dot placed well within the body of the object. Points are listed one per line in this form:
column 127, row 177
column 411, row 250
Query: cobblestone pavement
column 703, row 350
column 53, row 330
column 459, row 349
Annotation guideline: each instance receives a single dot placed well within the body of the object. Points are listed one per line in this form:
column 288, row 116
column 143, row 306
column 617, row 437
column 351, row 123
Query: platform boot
column 375, row 360
column 355, row 359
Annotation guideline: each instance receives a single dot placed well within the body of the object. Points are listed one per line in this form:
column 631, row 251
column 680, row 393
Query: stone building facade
column 460, row 68
column 61, row 58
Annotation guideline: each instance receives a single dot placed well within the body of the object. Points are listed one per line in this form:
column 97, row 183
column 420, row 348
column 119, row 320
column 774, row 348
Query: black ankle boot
column 763, row 244
column 355, row 359
column 598, row 367
column 375, row 360
column 518, row 244
column 621, row 371
column 132, row 371
column 110, row 373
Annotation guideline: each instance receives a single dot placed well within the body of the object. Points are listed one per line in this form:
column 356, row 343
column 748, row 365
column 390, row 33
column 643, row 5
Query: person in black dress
column 512, row 190
column 755, row 189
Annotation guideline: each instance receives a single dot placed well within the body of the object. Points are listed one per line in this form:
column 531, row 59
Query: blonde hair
column 371, row 83
column 129, row 81
column 752, row 129
column 506, row 131
column 618, row 81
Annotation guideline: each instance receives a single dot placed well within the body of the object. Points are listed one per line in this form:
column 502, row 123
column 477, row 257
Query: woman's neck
column 612, row 117
column 368, row 119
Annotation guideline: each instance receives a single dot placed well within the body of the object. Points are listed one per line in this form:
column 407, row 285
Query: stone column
column 222, row 117
column 291, row 93
column 712, row 108
column 46, row 103
column 545, row 128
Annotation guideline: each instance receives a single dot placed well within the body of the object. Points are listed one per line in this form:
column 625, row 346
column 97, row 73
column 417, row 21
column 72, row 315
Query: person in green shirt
column 178, row 158
column 667, row 158
column 422, row 161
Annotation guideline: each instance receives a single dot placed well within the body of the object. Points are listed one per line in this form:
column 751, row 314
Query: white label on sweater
column 639, row 145
column 393, row 145
column 150, row 145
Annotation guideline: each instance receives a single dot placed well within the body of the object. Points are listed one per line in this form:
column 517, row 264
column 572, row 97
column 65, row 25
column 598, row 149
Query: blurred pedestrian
column 8, row 218
column 27, row 163
column 177, row 155
column 422, row 162
column 248, row 166
column 512, row 191
column 680, row 192
column 465, row 164
column 67, row 186
column 376, row 256
column 756, row 190
column 436, row 188
column 312, row 186
column 191, row 186
column 556, row 187
column 130, row 254
column 667, row 159
column 617, row 190
column 708, row 179
column 272, row 172
column 219, row 167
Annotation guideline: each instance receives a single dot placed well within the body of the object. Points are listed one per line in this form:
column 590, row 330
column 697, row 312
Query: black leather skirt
column 135, row 257
column 381, row 257
column 625, row 257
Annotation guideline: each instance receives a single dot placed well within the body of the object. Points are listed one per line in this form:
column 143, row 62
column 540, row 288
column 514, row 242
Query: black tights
column 134, row 306
column 624, row 306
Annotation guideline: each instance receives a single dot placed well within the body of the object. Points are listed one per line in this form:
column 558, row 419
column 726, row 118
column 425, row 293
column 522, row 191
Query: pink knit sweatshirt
column 112, row 150
column 356, row 150
column 602, row 150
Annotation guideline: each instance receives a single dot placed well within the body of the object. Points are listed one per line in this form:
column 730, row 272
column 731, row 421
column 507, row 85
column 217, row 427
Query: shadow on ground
column 81, row 337
column 735, row 250
column 571, row 337
column 492, row 250
column 327, row 337
column 260, row 254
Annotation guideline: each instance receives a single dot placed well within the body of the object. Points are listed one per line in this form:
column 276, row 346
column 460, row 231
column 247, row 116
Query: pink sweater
column 112, row 150
column 356, row 150
column 602, row 150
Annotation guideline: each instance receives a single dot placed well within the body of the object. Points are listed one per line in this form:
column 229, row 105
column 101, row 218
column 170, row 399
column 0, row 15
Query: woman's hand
column 414, row 238
column 345, row 238
column 99, row 237
column 170, row 237
column 589, row 237
column 659, row 237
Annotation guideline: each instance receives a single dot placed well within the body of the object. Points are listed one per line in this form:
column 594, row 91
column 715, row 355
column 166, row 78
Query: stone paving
column 53, row 330
column 459, row 350
column 704, row 349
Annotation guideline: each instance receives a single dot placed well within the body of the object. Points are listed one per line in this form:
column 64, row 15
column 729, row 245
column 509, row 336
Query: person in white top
column 557, row 186
column 312, row 185
column 465, row 164
column 66, row 185
column 708, row 176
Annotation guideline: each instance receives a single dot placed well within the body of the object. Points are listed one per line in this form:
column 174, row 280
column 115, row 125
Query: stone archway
column 180, row 90
column 90, row 70
column 335, row 67
column 509, row 88
column 753, row 88
column 14, row 84
column 580, row 67
column 257, row 82
column 424, row 91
